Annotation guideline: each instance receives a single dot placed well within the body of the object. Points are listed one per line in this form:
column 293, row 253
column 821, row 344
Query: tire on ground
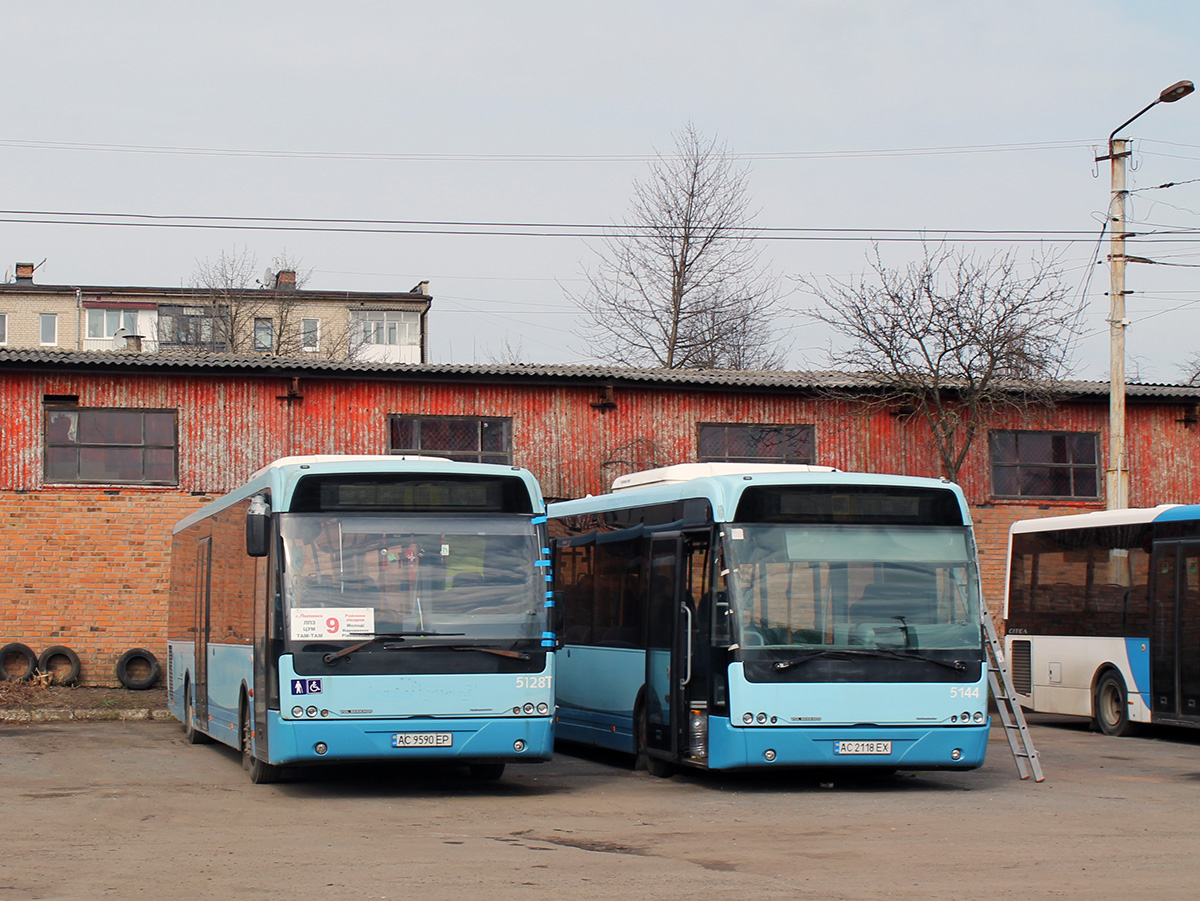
column 137, row 669
column 59, row 675
column 17, row 662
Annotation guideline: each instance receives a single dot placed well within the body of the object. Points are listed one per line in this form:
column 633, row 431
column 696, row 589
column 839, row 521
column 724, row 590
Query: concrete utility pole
column 1116, row 482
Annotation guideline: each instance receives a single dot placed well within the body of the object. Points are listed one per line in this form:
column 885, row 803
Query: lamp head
column 1176, row 91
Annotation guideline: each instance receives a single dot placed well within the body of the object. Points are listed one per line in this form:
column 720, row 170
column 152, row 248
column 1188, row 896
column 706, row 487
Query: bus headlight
column 519, row 745
column 747, row 718
column 762, row 718
column 543, row 708
column 297, row 712
column 311, row 711
column 978, row 717
column 320, row 747
column 529, row 708
column 956, row 754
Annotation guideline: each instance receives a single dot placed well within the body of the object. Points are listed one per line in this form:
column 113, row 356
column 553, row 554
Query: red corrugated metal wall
column 66, row 549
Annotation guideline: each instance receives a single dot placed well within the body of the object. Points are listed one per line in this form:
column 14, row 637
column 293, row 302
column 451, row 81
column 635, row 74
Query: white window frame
column 268, row 326
column 126, row 319
column 42, row 317
column 315, row 333
column 384, row 327
column 3, row 329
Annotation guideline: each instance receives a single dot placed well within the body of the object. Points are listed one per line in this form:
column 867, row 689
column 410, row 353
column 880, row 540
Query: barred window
column 730, row 443
column 1045, row 464
column 111, row 446
column 466, row 438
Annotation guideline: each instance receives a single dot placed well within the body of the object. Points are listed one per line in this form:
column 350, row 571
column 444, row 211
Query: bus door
column 1175, row 630
column 665, row 669
column 203, row 618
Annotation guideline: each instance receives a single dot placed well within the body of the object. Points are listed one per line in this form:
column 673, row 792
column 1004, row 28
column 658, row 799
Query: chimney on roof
column 285, row 280
column 420, row 288
column 25, row 273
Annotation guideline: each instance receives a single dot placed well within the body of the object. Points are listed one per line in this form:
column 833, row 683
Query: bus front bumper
column 515, row 740
column 908, row 747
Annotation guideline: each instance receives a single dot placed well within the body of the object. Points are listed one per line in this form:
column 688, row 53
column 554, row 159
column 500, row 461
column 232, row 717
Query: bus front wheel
column 191, row 734
column 1110, row 705
column 260, row 773
column 655, row 766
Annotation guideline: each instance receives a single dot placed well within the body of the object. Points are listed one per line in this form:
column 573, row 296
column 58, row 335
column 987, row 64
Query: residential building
column 278, row 320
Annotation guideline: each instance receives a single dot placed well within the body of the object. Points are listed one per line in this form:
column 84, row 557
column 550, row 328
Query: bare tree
column 682, row 284
column 953, row 336
column 236, row 310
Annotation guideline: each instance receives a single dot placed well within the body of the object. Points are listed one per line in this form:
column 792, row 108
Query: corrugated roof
column 525, row 372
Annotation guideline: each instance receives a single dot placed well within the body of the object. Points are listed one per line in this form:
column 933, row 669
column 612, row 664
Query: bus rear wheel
column 1110, row 705
column 260, row 773
column 486, row 771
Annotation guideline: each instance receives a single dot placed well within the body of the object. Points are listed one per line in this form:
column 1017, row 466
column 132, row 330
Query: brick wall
column 89, row 569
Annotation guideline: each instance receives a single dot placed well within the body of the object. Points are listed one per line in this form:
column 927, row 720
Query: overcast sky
column 952, row 118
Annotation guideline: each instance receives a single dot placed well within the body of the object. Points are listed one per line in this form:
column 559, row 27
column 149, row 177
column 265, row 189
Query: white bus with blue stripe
column 726, row 616
column 386, row 608
column 1102, row 616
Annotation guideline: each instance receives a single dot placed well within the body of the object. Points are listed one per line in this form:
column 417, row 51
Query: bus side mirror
column 258, row 527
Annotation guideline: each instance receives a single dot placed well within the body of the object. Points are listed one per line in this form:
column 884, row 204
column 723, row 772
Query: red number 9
column 332, row 624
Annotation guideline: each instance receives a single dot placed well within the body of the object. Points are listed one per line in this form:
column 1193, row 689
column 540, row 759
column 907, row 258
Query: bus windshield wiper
column 852, row 653
column 383, row 636
column 484, row 648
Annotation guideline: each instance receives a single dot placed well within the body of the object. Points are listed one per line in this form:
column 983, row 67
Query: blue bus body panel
column 356, row 716
column 1138, row 652
column 589, row 681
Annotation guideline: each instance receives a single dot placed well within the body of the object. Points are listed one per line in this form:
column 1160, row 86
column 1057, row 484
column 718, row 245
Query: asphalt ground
column 126, row 809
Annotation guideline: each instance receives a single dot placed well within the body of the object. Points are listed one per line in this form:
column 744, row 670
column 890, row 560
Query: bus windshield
column 471, row 577
column 852, row 586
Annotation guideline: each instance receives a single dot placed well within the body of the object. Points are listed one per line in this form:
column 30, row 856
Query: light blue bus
column 340, row 608
column 722, row 616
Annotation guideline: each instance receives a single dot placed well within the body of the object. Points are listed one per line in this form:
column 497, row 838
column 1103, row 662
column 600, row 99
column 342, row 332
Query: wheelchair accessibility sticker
column 306, row 686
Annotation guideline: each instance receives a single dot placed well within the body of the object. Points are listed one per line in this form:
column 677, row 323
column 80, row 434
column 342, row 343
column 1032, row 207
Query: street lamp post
column 1117, row 474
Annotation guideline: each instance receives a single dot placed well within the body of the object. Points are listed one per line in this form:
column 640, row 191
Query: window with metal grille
column 1045, row 464
column 732, row 443
column 464, row 438
column 111, row 446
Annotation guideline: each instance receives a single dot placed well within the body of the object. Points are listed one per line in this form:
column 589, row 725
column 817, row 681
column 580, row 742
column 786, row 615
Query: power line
column 545, row 229
column 368, row 156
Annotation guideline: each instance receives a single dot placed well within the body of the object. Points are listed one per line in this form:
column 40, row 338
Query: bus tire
column 1110, row 705
column 139, row 658
column 191, row 734
column 26, row 662
column 655, row 766
column 46, row 660
column 260, row 773
column 488, row 772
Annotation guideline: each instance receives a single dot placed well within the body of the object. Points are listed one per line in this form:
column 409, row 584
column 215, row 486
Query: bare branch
column 682, row 285
column 953, row 336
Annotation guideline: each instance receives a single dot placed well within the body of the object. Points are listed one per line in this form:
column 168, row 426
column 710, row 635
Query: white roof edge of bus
column 1090, row 520
column 342, row 458
column 685, row 472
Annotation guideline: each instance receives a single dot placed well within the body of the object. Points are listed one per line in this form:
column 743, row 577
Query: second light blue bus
column 726, row 616
column 343, row 608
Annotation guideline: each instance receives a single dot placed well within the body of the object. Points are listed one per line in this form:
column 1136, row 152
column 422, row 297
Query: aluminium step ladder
column 1015, row 728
